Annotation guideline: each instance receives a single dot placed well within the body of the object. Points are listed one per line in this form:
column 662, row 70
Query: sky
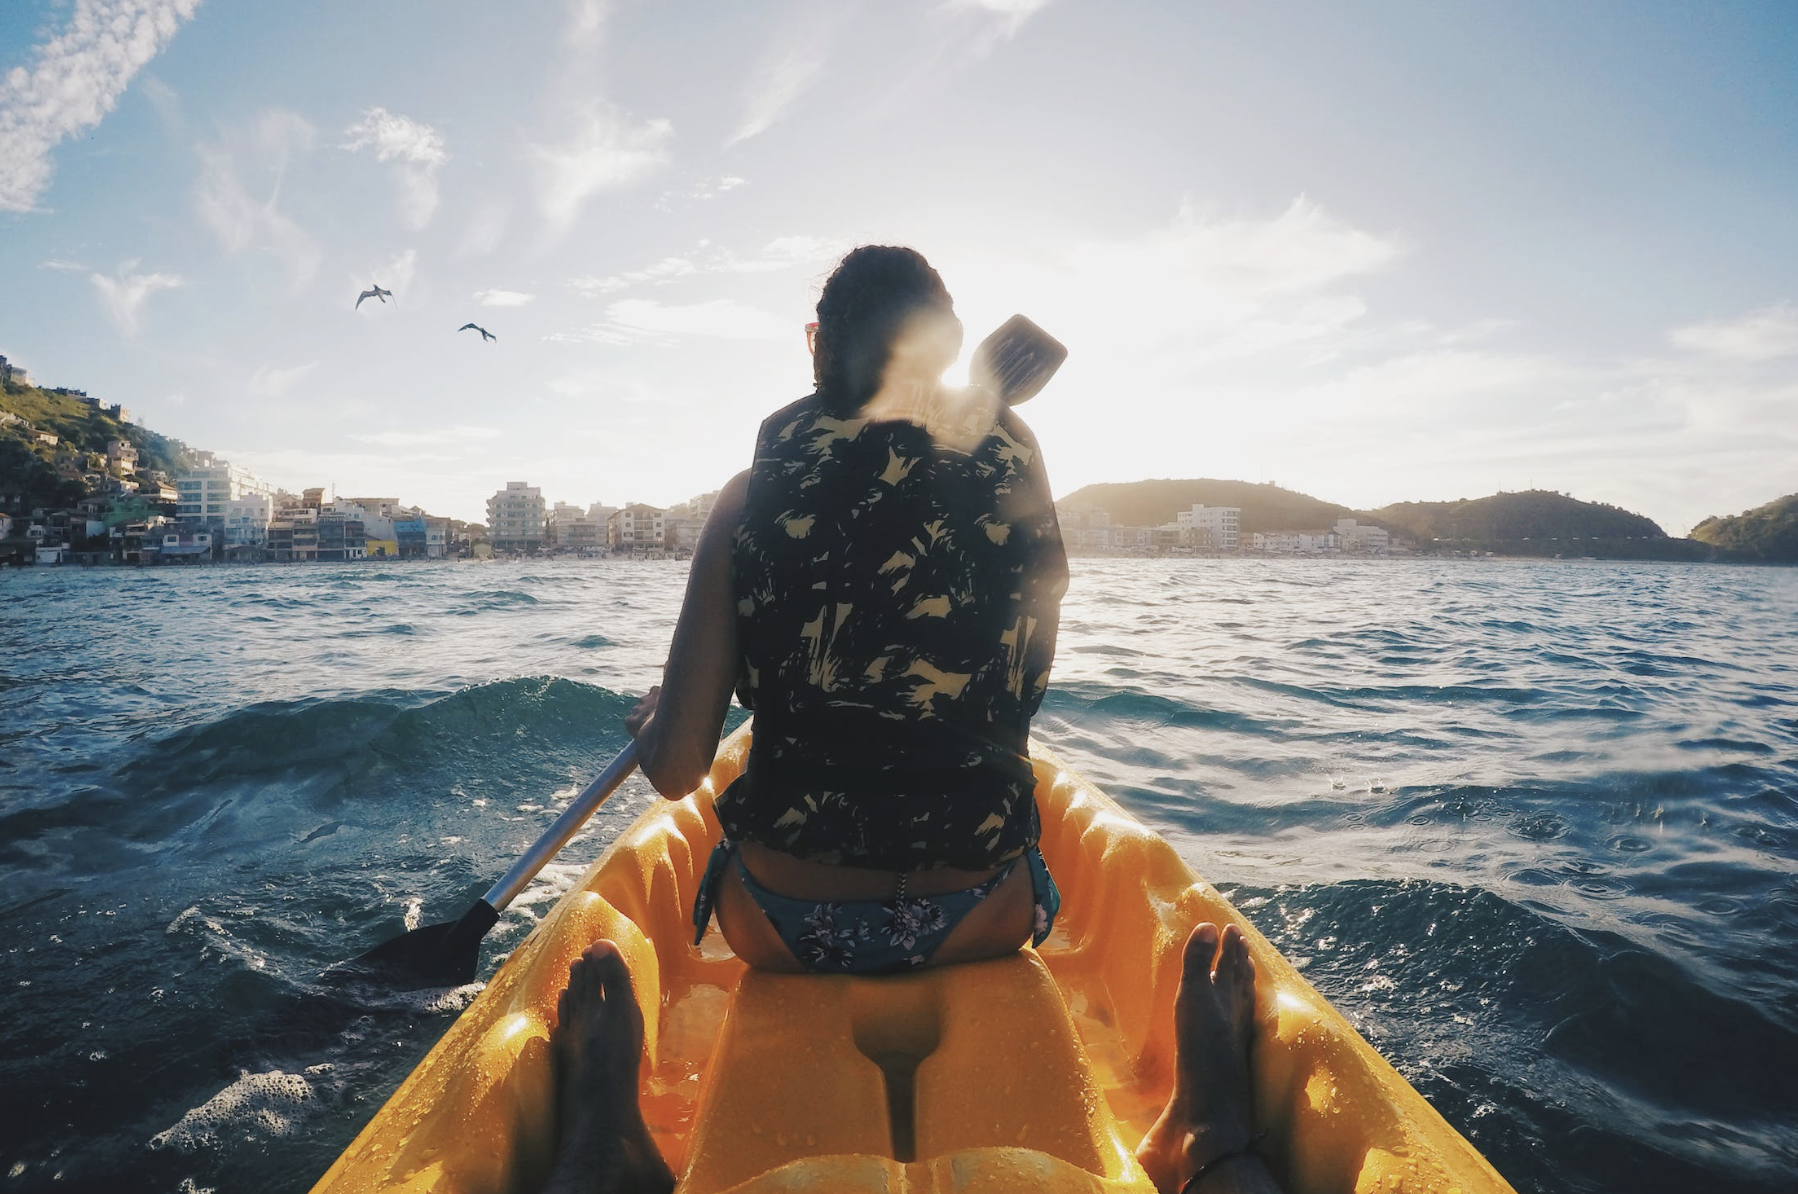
column 1375, row 252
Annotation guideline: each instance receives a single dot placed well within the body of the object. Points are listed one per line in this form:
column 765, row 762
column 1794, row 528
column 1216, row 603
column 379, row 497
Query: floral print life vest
column 898, row 575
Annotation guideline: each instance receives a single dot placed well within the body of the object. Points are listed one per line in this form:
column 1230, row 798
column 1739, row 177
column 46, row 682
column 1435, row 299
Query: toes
column 609, row 971
column 613, row 977
column 1201, row 949
column 1231, row 954
column 1236, row 970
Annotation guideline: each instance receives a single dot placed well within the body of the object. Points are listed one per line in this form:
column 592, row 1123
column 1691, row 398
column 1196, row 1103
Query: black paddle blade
column 439, row 955
column 1017, row 361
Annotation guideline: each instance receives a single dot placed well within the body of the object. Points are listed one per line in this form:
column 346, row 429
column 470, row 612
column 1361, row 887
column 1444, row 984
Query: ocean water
column 1532, row 827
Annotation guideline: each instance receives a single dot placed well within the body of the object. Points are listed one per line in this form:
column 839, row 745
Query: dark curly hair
column 874, row 294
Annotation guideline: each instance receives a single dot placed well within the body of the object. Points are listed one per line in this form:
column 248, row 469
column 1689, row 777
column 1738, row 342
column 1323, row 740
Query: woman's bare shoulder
column 732, row 496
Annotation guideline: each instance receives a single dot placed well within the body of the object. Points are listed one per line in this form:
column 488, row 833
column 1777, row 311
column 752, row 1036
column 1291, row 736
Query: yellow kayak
column 1038, row 1072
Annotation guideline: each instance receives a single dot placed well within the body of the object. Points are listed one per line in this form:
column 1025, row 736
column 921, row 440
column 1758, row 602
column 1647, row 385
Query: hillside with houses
column 82, row 482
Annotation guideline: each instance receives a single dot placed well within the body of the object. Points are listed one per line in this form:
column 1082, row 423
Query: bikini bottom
column 887, row 936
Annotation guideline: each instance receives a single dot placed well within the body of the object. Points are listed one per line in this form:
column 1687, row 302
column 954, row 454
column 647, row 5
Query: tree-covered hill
column 1537, row 522
column 1264, row 507
column 1533, row 523
column 1768, row 532
column 34, row 473
column 1533, row 514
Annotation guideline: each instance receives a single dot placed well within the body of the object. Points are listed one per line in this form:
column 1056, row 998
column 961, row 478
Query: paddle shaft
column 565, row 827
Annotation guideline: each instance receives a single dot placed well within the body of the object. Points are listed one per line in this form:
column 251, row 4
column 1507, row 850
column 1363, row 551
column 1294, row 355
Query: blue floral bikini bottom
column 870, row 936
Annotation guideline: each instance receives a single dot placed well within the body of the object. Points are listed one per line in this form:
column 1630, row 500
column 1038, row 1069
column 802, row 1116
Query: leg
column 605, row 1148
column 1206, row 1120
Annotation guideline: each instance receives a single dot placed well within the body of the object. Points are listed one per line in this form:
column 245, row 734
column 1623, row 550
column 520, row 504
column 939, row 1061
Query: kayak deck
column 1039, row 1071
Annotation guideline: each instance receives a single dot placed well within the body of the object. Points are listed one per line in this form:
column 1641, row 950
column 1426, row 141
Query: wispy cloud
column 607, row 151
column 58, row 263
column 245, row 221
column 701, row 191
column 1763, row 335
column 798, row 56
column 461, row 433
column 270, row 382
column 630, row 321
column 593, row 147
column 123, row 295
column 415, row 148
column 73, row 81
column 667, row 269
column 1008, row 15
column 784, row 252
column 503, row 298
column 970, row 30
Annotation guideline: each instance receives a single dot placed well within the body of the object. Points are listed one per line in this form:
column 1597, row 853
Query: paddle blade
column 1017, row 361
column 439, row 955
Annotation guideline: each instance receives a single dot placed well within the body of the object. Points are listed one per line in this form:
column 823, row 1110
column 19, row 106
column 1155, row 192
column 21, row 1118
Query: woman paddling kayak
column 882, row 588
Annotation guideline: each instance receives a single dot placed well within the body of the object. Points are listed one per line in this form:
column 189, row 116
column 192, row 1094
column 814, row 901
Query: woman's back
column 897, row 576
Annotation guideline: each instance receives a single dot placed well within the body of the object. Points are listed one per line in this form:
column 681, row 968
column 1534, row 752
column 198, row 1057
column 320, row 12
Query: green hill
column 1533, row 514
column 1768, row 532
column 29, row 468
column 1264, row 507
column 1533, row 523
column 1538, row 522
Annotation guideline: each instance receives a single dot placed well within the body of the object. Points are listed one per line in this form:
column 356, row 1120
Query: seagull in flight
column 485, row 334
column 375, row 291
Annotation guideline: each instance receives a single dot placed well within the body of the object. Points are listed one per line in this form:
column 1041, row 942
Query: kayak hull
column 1035, row 1072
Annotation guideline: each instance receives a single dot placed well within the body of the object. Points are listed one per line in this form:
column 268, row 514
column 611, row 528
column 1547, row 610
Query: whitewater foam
column 273, row 1102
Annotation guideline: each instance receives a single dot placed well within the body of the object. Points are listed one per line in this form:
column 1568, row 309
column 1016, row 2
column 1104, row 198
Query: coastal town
column 83, row 483
column 131, row 497
column 216, row 512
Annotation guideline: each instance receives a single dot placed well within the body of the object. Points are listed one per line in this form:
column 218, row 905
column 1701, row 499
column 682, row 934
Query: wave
column 1084, row 701
column 497, row 599
column 395, row 727
column 528, row 733
column 1519, row 1028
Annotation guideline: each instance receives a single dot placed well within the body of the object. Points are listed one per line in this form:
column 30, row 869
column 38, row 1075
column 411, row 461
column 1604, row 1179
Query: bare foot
column 605, row 1147
column 1207, row 1116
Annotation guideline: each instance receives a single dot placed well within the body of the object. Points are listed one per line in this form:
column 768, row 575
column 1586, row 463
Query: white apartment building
column 574, row 528
column 1373, row 541
column 1132, row 539
column 1295, row 542
column 246, row 520
column 636, row 526
column 698, row 509
column 206, row 491
column 515, row 517
column 376, row 519
column 1213, row 526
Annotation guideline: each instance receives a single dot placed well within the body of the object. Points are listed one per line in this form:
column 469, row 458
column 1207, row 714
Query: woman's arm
column 676, row 724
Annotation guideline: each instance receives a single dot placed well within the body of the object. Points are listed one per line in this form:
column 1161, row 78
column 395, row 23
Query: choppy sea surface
column 1533, row 827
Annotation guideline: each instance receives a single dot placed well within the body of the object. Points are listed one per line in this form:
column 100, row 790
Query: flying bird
column 485, row 334
column 375, row 291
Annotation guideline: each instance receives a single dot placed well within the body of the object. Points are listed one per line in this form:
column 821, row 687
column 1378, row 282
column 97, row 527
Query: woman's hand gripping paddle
column 449, row 954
